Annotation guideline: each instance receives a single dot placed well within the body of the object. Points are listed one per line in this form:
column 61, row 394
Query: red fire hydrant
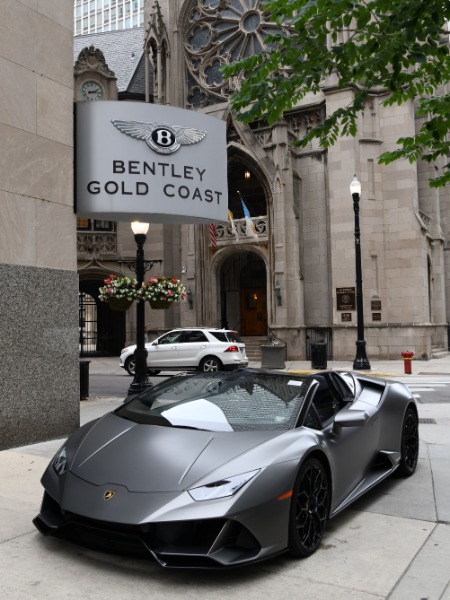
column 407, row 360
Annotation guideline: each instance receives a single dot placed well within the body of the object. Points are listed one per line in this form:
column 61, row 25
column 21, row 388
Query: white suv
column 207, row 349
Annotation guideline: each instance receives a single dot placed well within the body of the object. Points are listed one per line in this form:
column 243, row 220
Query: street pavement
column 392, row 544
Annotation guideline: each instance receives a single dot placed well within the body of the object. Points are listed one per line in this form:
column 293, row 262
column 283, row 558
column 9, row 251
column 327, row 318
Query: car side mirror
column 351, row 418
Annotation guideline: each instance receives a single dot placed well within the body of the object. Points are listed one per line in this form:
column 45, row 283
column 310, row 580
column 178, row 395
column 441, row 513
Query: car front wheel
column 309, row 509
column 130, row 365
column 210, row 363
column 410, row 444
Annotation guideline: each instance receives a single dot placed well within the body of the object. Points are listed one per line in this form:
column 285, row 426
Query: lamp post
column 140, row 381
column 361, row 362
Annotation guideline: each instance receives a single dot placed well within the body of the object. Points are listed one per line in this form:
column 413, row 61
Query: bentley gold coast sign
column 149, row 162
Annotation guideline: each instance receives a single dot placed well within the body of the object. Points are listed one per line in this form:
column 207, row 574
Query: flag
column 213, row 235
column 234, row 230
column 250, row 228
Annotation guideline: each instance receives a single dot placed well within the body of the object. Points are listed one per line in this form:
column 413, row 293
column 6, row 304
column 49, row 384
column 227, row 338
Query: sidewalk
column 393, row 544
column 388, row 368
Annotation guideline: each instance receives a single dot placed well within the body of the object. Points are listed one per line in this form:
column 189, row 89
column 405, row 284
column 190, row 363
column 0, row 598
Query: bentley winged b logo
column 160, row 137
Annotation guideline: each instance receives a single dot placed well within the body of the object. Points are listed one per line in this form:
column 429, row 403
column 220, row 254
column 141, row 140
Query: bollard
column 319, row 355
column 84, row 379
column 407, row 360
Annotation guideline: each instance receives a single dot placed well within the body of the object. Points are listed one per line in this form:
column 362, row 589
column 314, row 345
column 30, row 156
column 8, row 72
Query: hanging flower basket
column 119, row 303
column 162, row 292
column 160, row 304
column 119, row 292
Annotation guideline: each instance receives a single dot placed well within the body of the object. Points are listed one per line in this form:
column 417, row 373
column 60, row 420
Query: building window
column 217, row 33
column 85, row 224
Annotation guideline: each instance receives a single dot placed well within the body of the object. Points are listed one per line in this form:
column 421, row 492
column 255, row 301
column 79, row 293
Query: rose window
column 218, row 32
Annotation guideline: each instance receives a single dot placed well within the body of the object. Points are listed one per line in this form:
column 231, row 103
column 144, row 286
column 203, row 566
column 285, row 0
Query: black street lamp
column 361, row 362
column 140, row 381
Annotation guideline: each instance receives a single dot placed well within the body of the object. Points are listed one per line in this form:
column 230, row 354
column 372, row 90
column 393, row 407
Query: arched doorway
column 243, row 294
column 101, row 330
column 245, row 183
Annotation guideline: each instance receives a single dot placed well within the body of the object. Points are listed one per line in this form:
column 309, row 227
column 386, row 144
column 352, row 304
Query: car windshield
column 239, row 401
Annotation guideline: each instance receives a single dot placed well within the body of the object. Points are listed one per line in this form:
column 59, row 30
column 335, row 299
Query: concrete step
column 253, row 346
column 438, row 352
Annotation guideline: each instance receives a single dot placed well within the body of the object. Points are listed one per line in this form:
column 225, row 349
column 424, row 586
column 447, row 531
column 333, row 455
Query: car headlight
column 60, row 463
column 223, row 488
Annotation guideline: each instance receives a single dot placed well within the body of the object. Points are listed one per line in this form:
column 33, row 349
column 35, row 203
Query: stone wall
column 39, row 370
column 39, row 367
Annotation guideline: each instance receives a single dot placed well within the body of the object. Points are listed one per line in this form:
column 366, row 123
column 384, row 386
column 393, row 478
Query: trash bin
column 84, row 379
column 319, row 356
column 273, row 356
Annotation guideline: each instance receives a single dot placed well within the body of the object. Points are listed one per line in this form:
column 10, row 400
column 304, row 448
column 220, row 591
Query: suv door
column 192, row 348
column 163, row 352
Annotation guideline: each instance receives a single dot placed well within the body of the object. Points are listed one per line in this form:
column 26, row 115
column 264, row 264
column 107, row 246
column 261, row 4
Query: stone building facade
column 304, row 257
column 39, row 370
column 294, row 279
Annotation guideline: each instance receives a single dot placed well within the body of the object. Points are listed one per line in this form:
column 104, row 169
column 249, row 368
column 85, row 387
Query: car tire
column 130, row 365
column 309, row 509
column 153, row 371
column 209, row 364
column 410, row 444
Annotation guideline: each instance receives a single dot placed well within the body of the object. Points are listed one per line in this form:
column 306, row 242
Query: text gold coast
column 182, row 182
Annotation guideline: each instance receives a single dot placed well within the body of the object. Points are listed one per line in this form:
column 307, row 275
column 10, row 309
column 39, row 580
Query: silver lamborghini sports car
column 223, row 469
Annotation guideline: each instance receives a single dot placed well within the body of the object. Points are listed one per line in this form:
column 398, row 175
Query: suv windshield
column 244, row 401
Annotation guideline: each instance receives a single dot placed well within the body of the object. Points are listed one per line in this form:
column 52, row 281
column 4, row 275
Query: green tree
column 396, row 47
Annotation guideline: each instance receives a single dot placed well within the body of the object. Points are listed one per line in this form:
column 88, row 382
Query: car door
column 163, row 352
column 192, row 348
column 352, row 449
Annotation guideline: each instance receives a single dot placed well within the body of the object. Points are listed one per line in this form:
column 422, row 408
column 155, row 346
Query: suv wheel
column 130, row 365
column 210, row 363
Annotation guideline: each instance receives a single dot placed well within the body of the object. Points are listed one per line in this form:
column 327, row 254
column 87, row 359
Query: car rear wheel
column 210, row 363
column 410, row 444
column 309, row 509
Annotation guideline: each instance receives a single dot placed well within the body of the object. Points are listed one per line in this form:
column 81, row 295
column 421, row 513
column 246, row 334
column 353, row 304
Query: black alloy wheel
column 309, row 509
column 410, row 444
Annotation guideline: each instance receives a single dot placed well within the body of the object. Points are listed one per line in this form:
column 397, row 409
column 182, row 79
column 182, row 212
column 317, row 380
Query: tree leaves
column 399, row 46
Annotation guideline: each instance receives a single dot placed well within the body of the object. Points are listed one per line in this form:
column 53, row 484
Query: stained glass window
column 218, row 32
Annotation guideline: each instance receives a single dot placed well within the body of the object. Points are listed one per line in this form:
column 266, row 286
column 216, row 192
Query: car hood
column 152, row 458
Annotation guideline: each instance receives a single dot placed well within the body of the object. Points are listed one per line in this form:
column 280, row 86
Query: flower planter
column 119, row 292
column 161, row 292
column 119, row 303
column 273, row 356
column 160, row 304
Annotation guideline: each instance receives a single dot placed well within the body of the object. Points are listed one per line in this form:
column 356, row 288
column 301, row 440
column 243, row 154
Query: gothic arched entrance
column 101, row 330
column 243, row 294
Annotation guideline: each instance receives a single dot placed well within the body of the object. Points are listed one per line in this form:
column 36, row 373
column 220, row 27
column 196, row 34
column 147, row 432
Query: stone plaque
column 346, row 298
column 375, row 304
